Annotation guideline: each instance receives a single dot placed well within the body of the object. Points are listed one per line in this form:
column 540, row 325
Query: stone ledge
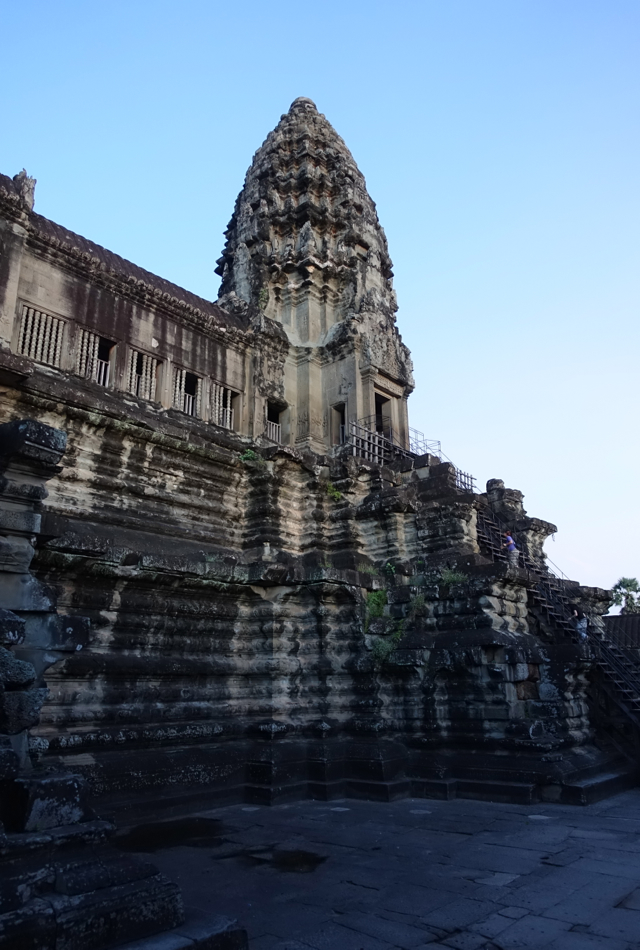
column 199, row 932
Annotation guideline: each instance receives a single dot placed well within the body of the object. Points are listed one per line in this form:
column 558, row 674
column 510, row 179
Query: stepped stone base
column 63, row 886
column 67, row 889
column 198, row 932
column 386, row 770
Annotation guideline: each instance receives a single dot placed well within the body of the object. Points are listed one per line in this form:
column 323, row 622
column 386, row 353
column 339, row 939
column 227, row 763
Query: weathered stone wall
column 64, row 277
column 61, row 886
column 275, row 620
column 232, row 650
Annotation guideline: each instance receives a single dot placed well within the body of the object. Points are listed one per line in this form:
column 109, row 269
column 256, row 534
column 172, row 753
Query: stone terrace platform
column 354, row 875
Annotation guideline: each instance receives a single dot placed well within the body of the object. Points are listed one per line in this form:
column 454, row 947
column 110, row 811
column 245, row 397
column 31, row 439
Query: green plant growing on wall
column 375, row 604
column 416, row 606
column 384, row 647
column 390, row 568
column 449, row 576
column 381, row 650
column 333, row 492
column 248, row 456
column 263, row 298
column 376, row 601
column 366, row 568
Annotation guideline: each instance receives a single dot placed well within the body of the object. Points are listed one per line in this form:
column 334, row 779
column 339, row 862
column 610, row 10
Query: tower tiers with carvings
column 305, row 245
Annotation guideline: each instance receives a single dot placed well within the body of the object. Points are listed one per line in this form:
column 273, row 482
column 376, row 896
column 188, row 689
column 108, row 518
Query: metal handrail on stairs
column 549, row 592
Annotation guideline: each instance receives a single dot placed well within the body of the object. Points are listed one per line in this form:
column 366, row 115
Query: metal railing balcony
column 464, row 481
column 377, row 442
column 416, row 444
column 371, row 445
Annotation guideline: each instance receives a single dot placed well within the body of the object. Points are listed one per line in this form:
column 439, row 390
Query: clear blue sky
column 499, row 139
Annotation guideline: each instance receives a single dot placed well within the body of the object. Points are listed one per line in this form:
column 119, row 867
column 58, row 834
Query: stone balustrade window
column 41, row 336
column 93, row 356
column 222, row 406
column 273, row 427
column 187, row 392
column 142, row 375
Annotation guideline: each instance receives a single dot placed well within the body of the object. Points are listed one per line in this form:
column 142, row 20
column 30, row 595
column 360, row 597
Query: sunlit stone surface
column 246, row 582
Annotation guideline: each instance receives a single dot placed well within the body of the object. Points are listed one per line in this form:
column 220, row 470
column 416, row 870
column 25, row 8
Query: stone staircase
column 616, row 684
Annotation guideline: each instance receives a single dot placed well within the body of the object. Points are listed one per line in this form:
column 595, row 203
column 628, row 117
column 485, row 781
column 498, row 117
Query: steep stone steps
column 594, row 789
column 621, row 671
column 523, row 793
column 91, row 920
column 202, row 932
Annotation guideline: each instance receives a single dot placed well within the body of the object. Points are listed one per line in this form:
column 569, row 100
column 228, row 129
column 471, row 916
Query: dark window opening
column 224, row 406
column 273, row 412
column 187, row 392
column 104, row 349
column 190, row 384
column 338, row 424
column 273, row 429
column 100, row 365
column 383, row 415
column 143, row 371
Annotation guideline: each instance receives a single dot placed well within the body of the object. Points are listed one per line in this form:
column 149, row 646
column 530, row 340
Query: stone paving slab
column 415, row 874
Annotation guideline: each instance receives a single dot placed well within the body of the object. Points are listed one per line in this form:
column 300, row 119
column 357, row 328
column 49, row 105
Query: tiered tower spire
column 305, row 245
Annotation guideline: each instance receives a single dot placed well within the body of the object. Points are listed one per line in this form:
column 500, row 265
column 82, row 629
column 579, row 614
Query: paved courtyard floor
column 354, row 875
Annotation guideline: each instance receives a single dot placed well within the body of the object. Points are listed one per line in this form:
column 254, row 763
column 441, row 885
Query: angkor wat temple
column 230, row 571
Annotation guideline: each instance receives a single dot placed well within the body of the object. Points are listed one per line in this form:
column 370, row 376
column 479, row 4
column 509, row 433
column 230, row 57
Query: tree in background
column 627, row 592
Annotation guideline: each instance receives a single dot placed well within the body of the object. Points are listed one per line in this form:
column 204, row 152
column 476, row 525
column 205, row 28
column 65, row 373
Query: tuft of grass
column 366, row 568
column 381, row 650
column 384, row 646
column 416, row 606
column 376, row 600
column 333, row 492
column 448, row 576
column 250, row 456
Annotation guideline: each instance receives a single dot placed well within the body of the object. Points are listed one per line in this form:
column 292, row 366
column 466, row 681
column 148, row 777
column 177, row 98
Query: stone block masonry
column 217, row 598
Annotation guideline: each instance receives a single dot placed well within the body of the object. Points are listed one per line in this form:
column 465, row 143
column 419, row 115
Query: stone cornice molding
column 12, row 210
column 389, row 386
column 311, row 354
column 197, row 437
column 87, row 267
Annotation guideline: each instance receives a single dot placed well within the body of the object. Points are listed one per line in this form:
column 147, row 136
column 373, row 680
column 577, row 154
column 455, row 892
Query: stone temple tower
column 305, row 246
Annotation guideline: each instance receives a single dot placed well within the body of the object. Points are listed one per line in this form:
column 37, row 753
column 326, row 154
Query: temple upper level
column 305, row 245
column 302, row 343
column 304, row 242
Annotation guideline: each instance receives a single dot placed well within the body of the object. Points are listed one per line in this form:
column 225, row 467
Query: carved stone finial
column 26, row 187
column 305, row 232
column 303, row 104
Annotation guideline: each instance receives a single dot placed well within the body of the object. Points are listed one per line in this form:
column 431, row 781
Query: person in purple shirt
column 510, row 546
